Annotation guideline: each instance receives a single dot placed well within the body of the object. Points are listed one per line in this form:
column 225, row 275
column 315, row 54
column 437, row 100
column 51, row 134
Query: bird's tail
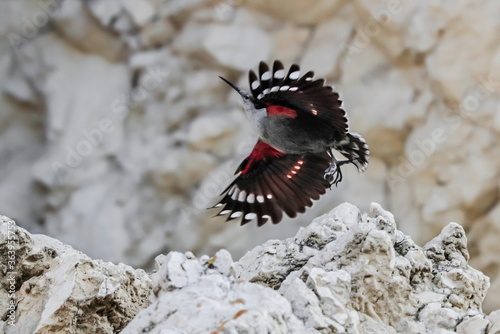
column 355, row 149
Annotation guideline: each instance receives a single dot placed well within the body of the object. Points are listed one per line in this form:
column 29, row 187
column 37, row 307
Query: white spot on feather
column 251, row 198
column 283, row 88
column 266, row 75
column 294, row 75
column 235, row 194
column 279, row 74
column 250, row 216
column 260, row 199
column 236, row 214
column 242, row 196
column 255, row 84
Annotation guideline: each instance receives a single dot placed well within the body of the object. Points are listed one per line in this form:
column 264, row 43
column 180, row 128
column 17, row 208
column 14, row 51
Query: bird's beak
column 231, row 84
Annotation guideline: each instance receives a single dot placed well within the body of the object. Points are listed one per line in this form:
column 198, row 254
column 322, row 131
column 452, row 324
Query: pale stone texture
column 346, row 272
column 116, row 134
column 340, row 257
column 57, row 289
column 206, row 291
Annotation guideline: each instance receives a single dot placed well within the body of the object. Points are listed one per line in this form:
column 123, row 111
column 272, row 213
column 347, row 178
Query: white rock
column 474, row 325
column 190, row 39
column 181, row 170
column 55, row 283
column 175, row 7
column 403, row 70
column 105, row 11
column 375, row 238
column 213, row 133
column 437, row 317
column 494, row 318
column 484, row 239
column 323, row 52
column 370, row 85
column 443, row 62
column 78, row 26
column 429, row 297
column 141, row 11
column 156, row 33
column 342, row 273
column 216, row 300
column 305, row 305
column 298, row 12
column 391, row 24
column 358, row 186
column 236, row 47
column 289, row 42
column 437, row 202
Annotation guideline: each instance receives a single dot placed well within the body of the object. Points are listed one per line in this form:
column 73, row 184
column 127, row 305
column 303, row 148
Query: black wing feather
column 307, row 96
column 269, row 176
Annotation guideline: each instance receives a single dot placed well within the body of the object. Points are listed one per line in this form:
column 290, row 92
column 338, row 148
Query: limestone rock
column 219, row 43
column 141, row 11
column 78, row 26
column 346, row 272
column 297, row 12
column 324, row 53
column 57, row 289
column 217, row 300
column 419, row 80
column 289, row 42
column 213, row 133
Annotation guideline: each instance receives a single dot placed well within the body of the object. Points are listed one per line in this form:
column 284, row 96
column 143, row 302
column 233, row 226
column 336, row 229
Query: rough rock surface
column 48, row 287
column 346, row 272
column 111, row 113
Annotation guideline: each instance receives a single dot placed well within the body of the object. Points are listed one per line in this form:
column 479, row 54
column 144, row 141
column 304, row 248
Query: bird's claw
column 333, row 174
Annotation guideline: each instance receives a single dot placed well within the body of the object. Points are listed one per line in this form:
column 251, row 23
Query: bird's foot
column 333, row 174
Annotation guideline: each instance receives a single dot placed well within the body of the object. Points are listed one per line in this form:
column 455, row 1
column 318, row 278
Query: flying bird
column 300, row 122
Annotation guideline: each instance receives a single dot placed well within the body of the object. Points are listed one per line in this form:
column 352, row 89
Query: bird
column 300, row 123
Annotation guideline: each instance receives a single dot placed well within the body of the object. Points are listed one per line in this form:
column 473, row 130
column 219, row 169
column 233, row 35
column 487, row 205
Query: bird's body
column 299, row 121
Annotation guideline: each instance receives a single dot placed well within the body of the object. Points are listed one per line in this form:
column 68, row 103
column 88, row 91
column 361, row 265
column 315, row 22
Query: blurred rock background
column 116, row 133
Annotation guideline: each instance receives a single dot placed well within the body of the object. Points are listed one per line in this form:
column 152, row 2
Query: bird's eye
column 246, row 98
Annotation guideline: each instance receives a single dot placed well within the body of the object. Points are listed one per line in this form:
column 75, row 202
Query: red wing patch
column 281, row 111
column 271, row 184
column 260, row 151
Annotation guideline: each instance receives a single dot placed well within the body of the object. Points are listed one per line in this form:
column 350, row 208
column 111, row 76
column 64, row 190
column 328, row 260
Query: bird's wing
column 271, row 182
column 302, row 95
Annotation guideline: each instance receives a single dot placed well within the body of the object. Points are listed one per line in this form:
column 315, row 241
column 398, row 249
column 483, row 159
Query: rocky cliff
column 346, row 272
column 116, row 133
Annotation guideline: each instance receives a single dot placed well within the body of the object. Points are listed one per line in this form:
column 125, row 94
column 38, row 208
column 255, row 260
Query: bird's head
column 249, row 100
